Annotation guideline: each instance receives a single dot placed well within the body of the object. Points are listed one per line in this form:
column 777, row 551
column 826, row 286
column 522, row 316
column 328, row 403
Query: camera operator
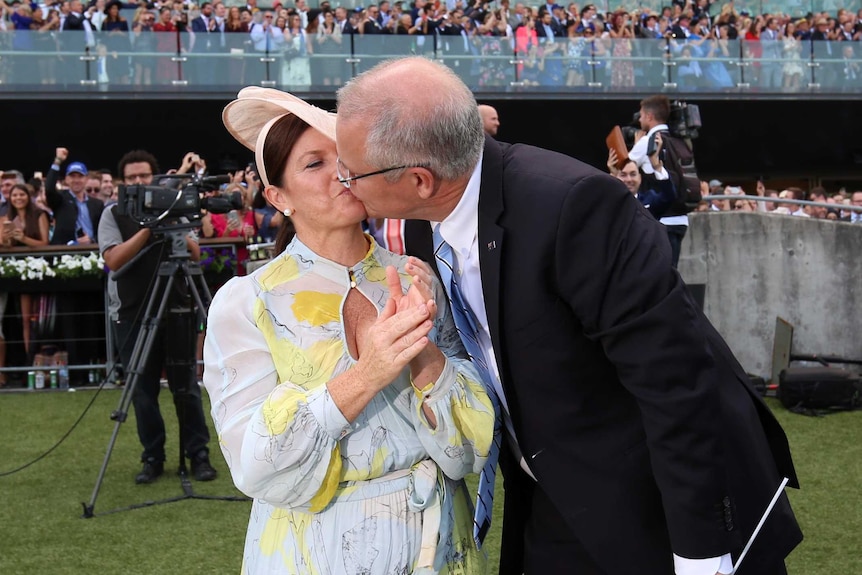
column 653, row 116
column 121, row 239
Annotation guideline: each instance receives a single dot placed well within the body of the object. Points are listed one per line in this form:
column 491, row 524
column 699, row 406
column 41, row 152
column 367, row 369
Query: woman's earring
column 288, row 212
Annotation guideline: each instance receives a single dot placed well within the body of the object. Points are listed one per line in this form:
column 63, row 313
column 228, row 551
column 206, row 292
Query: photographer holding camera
column 653, row 116
column 121, row 239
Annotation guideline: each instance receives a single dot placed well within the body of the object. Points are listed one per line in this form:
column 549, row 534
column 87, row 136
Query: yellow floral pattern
column 332, row 496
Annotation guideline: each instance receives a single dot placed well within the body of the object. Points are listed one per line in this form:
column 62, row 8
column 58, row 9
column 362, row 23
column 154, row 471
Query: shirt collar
column 461, row 227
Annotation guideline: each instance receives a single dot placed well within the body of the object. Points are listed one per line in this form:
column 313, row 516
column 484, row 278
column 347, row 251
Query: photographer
column 653, row 116
column 120, row 240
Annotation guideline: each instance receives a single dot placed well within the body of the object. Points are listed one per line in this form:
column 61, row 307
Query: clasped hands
column 399, row 335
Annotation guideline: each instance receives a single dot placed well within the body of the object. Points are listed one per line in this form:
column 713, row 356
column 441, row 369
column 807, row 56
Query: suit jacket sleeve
column 53, row 197
column 613, row 269
column 658, row 199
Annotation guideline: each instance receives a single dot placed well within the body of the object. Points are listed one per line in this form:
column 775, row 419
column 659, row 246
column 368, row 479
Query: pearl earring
column 288, row 212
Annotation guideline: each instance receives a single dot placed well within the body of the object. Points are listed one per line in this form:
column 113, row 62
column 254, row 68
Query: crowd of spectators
column 63, row 207
column 556, row 45
column 835, row 211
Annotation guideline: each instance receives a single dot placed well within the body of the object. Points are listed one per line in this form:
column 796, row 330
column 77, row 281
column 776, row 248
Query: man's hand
column 188, row 162
column 655, row 158
column 200, row 164
column 612, row 162
column 85, row 239
column 60, row 155
column 251, row 179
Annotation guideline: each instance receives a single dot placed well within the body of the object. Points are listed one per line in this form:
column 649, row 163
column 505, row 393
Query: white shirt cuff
column 708, row 566
column 661, row 174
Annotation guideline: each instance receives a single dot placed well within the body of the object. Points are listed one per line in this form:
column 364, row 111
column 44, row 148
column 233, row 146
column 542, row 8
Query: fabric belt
column 425, row 494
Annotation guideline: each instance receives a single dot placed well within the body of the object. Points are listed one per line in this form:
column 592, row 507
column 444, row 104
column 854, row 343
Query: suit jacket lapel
column 491, row 239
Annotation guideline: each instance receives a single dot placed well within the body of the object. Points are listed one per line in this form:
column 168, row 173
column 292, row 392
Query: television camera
column 684, row 122
column 178, row 202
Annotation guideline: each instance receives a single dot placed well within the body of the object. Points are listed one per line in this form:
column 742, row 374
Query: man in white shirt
column 642, row 448
column 654, row 114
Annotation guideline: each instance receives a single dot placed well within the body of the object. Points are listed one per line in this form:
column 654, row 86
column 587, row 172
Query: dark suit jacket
column 203, row 42
column 629, row 407
column 555, row 27
column 66, row 211
column 73, row 22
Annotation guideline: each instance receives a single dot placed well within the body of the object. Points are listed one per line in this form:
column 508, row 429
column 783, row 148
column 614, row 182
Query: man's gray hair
column 442, row 133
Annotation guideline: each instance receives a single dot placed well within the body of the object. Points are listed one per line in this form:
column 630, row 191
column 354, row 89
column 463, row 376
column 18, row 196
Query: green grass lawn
column 43, row 533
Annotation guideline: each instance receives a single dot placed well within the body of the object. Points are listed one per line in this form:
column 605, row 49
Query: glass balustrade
column 47, row 62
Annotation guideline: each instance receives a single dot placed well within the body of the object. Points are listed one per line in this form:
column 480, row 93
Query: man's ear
column 424, row 182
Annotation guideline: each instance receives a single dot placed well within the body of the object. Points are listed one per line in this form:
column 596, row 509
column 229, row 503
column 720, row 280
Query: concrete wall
column 759, row 266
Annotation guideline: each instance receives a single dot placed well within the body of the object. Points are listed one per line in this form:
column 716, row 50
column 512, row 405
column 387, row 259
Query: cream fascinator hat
column 250, row 117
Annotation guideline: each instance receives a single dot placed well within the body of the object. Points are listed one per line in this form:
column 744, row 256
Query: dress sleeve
column 280, row 440
column 460, row 442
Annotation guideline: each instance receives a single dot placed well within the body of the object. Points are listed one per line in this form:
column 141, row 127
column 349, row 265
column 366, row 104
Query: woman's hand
column 420, row 289
column 428, row 364
column 393, row 341
column 18, row 234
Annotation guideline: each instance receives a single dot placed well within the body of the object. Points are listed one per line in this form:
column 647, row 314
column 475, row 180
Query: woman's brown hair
column 31, row 212
column 276, row 150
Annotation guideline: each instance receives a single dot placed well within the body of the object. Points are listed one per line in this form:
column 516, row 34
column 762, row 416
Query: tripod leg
column 140, row 354
column 200, row 292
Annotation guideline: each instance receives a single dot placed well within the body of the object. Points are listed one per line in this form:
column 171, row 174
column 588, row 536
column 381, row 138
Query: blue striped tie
column 467, row 327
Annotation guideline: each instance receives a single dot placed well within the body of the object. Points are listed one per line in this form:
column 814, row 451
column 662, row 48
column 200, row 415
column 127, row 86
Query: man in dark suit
column 76, row 215
column 76, row 34
column 76, row 221
column 206, row 41
column 635, row 443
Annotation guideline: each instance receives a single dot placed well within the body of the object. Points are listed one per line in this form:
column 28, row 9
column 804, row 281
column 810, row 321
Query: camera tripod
column 177, row 268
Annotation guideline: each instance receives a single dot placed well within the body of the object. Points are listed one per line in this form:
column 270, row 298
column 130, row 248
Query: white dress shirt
column 638, row 155
column 460, row 230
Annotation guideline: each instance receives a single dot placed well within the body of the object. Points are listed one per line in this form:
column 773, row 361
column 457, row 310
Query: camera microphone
column 216, row 180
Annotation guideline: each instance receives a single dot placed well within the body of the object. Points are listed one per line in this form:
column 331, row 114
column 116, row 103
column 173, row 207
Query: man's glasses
column 92, row 190
column 346, row 178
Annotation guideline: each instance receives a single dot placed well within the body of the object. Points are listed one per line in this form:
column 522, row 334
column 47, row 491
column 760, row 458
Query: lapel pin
column 491, row 245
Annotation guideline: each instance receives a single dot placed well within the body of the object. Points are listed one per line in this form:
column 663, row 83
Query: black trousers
column 173, row 349
column 550, row 548
column 675, row 234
